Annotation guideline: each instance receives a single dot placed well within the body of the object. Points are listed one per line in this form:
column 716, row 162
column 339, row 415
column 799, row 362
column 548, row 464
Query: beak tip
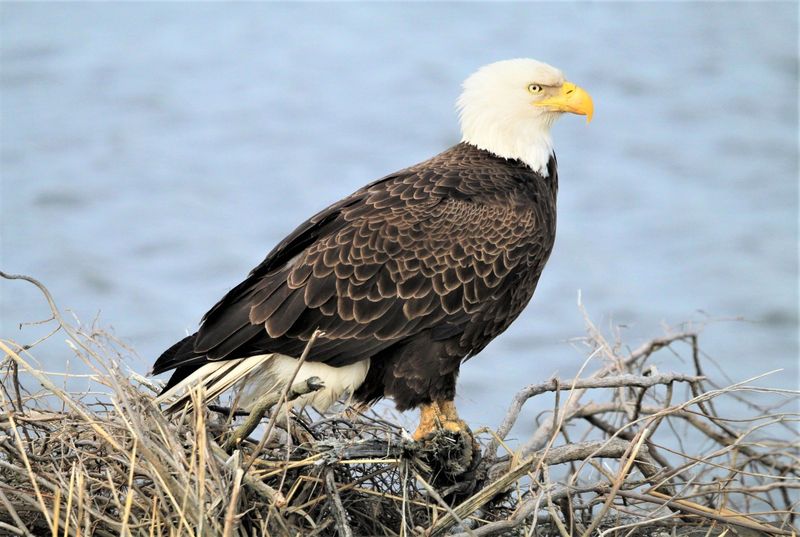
column 588, row 112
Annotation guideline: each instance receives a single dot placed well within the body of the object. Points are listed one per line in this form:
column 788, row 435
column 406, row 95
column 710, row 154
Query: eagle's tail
column 255, row 376
column 216, row 378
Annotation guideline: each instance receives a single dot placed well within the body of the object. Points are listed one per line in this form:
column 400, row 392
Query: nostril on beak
column 570, row 91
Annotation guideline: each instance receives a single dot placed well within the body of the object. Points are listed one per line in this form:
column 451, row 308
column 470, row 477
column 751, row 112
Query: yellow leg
column 449, row 410
column 439, row 415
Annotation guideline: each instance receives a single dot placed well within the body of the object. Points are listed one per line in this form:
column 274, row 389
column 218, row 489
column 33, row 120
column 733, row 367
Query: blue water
column 151, row 154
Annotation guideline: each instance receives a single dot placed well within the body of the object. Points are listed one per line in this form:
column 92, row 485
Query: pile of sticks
column 626, row 450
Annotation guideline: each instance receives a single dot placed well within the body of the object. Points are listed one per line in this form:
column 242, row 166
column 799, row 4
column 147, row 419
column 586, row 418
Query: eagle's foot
column 446, row 441
column 439, row 416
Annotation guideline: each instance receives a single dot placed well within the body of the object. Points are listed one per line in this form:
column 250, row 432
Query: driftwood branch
column 613, row 448
column 266, row 402
column 726, row 516
column 284, row 397
column 338, row 509
column 618, row 381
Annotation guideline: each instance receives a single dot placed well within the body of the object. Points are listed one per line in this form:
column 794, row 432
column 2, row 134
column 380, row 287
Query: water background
column 152, row 153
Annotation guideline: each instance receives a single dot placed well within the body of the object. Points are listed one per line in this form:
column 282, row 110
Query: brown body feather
column 416, row 271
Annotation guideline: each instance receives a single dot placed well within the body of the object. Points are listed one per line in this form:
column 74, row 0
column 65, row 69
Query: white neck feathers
column 529, row 142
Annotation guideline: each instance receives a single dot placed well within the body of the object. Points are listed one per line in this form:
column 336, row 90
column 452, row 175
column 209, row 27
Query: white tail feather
column 266, row 373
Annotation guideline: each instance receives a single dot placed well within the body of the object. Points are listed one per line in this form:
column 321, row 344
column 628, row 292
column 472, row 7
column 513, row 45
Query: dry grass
column 626, row 450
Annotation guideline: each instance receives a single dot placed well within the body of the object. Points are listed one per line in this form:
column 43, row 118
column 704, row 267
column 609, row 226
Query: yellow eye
column 534, row 88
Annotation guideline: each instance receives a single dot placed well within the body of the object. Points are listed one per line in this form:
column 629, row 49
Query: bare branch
column 267, row 401
column 617, row 381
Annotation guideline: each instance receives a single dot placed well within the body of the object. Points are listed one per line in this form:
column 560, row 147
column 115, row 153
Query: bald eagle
column 406, row 277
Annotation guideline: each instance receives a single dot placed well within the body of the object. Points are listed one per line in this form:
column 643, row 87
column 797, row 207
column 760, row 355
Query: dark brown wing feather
column 453, row 246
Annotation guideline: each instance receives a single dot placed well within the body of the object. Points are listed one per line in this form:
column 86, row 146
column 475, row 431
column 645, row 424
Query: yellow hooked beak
column 570, row 98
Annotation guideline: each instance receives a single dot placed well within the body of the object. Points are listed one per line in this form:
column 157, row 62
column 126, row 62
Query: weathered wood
column 267, row 401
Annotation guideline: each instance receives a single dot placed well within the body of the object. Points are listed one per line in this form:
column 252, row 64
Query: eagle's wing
column 405, row 254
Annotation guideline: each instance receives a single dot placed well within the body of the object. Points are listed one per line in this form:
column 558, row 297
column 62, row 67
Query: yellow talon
column 439, row 415
column 454, row 426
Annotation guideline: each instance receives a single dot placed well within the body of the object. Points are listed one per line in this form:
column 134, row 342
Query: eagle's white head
column 508, row 107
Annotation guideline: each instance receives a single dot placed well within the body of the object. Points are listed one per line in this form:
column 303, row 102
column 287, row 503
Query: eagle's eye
column 534, row 88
